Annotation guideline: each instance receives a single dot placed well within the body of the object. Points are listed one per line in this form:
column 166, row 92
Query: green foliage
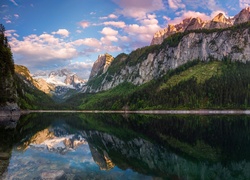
column 173, row 40
column 141, row 54
column 29, row 97
column 195, row 85
column 117, row 64
column 7, row 84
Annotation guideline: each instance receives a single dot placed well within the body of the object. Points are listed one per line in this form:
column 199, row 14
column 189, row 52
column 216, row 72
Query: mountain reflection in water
column 112, row 146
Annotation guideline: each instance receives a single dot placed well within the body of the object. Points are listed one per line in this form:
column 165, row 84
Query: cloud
column 7, row 19
column 82, row 69
column 84, row 24
column 92, row 42
column 111, row 16
column 138, row 9
column 176, row 4
column 14, row 2
column 41, row 50
column 16, row 15
column 244, row 3
column 62, row 32
column 119, row 24
column 9, row 33
column 145, row 30
column 107, row 31
column 188, row 14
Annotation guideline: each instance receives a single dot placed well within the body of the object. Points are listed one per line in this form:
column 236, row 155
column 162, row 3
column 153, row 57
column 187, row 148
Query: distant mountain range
column 59, row 82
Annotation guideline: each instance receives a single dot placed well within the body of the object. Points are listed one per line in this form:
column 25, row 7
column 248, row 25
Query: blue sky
column 50, row 34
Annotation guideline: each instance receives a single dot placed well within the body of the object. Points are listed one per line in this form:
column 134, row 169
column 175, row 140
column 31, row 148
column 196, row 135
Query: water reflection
column 110, row 146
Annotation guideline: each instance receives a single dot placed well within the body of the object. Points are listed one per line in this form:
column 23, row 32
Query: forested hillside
column 195, row 85
column 7, row 73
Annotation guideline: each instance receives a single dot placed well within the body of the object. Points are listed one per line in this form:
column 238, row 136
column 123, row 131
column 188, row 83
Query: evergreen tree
column 7, row 83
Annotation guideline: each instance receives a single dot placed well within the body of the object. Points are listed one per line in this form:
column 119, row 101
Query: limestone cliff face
column 101, row 65
column 232, row 43
column 219, row 21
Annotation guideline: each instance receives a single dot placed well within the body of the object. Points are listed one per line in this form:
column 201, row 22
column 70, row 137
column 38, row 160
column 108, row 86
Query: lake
column 125, row 146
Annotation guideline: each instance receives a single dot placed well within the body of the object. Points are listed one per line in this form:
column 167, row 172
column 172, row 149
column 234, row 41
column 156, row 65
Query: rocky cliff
column 219, row 21
column 101, row 65
column 145, row 64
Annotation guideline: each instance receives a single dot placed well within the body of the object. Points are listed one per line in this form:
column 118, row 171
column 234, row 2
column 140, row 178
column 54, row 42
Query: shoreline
column 198, row 112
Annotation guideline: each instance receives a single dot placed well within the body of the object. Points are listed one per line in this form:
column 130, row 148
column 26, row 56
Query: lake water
column 115, row 146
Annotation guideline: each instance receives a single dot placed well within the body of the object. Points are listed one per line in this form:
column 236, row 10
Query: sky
column 46, row 35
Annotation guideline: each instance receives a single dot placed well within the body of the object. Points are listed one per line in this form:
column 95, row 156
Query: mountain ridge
column 151, row 62
column 192, row 23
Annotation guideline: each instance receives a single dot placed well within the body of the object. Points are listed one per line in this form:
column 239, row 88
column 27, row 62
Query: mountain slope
column 29, row 94
column 194, row 85
column 152, row 62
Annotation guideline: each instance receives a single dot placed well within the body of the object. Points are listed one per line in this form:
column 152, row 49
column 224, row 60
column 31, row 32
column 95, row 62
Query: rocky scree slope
column 148, row 63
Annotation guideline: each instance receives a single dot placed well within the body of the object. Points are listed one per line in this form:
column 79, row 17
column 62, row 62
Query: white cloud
column 244, row 3
column 138, row 9
column 112, row 16
column 62, row 32
column 92, row 42
column 188, row 14
column 84, row 24
column 109, row 31
column 166, row 18
column 119, row 24
column 145, row 31
column 14, row 2
column 40, row 50
column 16, row 15
column 176, row 4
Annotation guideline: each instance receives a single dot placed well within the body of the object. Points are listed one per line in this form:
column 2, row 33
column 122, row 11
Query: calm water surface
column 114, row 146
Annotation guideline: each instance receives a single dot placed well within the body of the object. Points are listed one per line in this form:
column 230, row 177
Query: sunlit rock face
column 102, row 160
column 47, row 139
column 193, row 46
column 101, row 65
column 202, row 45
column 219, row 21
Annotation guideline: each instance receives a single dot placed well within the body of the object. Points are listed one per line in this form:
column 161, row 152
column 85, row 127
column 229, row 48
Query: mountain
column 199, row 68
column 60, row 83
column 151, row 62
column 193, row 23
column 29, row 90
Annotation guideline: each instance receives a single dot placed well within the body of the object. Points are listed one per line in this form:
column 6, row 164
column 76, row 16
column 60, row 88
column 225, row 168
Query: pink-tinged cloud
column 176, row 4
column 92, row 42
column 107, row 31
column 14, row 2
column 244, row 3
column 62, row 32
column 145, row 31
column 9, row 33
column 84, row 24
column 16, row 15
column 111, row 16
column 119, row 24
column 188, row 14
column 138, row 8
column 35, row 50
